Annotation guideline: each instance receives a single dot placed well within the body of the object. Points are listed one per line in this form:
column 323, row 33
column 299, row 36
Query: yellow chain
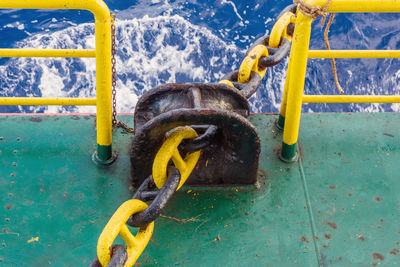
column 226, row 82
column 280, row 29
column 250, row 63
column 116, row 225
column 168, row 151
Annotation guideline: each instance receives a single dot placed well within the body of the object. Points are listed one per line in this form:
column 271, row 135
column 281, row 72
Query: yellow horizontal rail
column 40, row 101
column 289, row 119
column 47, row 53
column 97, row 7
column 350, row 99
column 355, row 6
column 354, row 54
column 102, row 53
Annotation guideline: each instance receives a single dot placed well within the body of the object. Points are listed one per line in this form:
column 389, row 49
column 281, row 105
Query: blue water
column 163, row 41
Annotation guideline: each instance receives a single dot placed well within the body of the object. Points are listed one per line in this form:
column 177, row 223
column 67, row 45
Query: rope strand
column 328, row 47
column 312, row 11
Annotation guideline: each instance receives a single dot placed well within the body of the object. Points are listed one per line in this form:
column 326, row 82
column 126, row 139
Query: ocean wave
column 150, row 52
column 169, row 48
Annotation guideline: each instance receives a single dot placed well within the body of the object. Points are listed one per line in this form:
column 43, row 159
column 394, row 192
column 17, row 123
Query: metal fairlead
column 230, row 142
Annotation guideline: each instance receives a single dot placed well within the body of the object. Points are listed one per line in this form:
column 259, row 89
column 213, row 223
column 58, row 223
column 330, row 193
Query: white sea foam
column 156, row 50
column 151, row 52
column 233, row 6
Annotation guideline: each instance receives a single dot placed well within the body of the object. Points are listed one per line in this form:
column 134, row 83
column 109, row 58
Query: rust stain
column 381, row 220
column 324, row 246
column 300, row 149
column 278, row 150
column 332, row 225
column 361, row 238
column 394, row 251
column 35, row 119
column 263, row 173
column 304, row 239
column 340, row 153
column 378, row 199
column 328, row 236
column 206, row 112
column 378, row 256
column 349, row 194
column 332, row 187
column 8, row 206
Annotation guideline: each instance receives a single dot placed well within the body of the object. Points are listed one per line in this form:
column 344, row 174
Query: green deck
column 338, row 206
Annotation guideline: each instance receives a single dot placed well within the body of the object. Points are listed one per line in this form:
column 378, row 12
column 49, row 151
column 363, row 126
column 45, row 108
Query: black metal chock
column 232, row 157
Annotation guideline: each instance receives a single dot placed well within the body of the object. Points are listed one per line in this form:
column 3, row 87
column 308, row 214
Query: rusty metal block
column 230, row 159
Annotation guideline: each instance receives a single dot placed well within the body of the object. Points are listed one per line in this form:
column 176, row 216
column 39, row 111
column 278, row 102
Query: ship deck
column 339, row 205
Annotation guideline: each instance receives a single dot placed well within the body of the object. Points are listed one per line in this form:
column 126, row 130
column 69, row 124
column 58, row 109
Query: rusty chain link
column 147, row 192
column 115, row 122
column 113, row 71
column 267, row 51
column 266, row 56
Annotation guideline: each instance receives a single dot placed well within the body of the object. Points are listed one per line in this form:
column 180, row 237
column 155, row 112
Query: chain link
column 267, row 51
column 115, row 122
column 113, row 71
column 135, row 212
column 145, row 215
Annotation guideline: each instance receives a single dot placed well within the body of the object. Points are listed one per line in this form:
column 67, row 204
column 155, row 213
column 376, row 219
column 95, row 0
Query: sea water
column 161, row 41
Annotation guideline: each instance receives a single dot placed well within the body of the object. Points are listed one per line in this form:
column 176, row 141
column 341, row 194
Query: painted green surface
column 337, row 206
column 280, row 124
column 289, row 153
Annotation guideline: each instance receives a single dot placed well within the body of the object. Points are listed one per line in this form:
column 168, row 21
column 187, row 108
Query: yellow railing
column 102, row 53
column 293, row 97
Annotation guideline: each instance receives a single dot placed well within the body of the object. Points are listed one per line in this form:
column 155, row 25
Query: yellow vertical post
column 297, row 72
column 104, row 154
column 103, row 83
